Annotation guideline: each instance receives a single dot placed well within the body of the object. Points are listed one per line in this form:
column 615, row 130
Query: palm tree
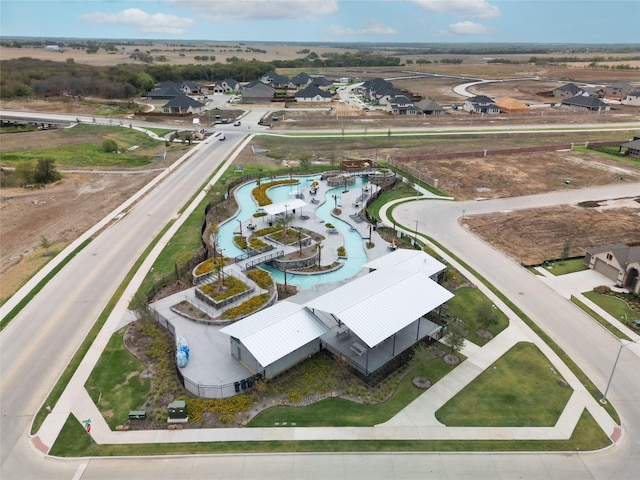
column 319, row 245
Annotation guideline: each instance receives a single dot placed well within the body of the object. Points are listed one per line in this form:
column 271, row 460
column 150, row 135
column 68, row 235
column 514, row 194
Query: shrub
column 263, row 279
column 109, row 145
column 342, row 252
column 245, row 308
column 232, row 285
column 241, row 242
column 260, row 192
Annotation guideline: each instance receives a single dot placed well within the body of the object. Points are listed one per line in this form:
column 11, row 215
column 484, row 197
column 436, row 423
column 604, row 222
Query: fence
column 180, row 272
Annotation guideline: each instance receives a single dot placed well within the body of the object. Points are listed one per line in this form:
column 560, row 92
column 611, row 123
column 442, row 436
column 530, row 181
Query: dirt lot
column 59, row 212
column 524, row 174
column 533, row 236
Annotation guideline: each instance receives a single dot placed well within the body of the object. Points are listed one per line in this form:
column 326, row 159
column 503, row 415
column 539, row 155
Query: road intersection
column 41, row 339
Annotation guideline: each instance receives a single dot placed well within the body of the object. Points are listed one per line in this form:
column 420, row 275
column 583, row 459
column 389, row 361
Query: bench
column 343, row 333
column 357, row 349
column 137, row 415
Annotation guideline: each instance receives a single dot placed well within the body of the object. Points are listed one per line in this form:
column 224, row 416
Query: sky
column 386, row 21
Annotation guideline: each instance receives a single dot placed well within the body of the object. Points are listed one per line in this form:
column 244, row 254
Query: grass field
column 614, row 306
column 519, row 390
column 83, row 148
column 115, row 384
column 598, row 318
column 570, row 265
column 464, row 305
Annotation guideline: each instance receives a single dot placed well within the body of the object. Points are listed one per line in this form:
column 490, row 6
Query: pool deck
column 210, row 361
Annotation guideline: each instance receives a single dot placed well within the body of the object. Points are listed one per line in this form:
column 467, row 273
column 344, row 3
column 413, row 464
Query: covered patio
column 378, row 316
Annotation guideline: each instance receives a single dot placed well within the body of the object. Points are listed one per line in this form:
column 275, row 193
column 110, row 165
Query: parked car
column 222, row 137
column 237, row 124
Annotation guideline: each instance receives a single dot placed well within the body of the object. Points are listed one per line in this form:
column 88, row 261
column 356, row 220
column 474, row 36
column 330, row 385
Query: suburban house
column 590, row 103
column 301, row 80
column 371, row 323
column 379, row 91
column 632, row 147
column 567, row 91
column 312, row 94
column 617, row 90
column 480, row 104
column 511, row 105
column 401, row 105
column 191, row 88
column 167, row 90
column 276, row 81
column 257, row 92
column 321, row 82
column 620, row 263
column 429, row 107
column 632, row 98
column 228, row 85
column 183, row 104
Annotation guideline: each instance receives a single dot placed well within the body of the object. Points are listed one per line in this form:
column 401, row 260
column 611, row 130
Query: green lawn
column 519, row 390
column 599, row 319
column 73, row 441
column 401, row 190
column 339, row 412
column 116, row 382
column 88, row 151
column 614, row 306
column 611, row 156
column 563, row 267
column 464, row 305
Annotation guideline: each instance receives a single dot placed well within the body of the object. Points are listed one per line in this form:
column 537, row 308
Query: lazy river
column 353, row 242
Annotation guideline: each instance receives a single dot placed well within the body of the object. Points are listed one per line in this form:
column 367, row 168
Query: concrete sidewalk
column 415, row 422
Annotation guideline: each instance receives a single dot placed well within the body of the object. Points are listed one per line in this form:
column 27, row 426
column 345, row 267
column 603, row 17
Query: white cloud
column 236, row 10
column 468, row 28
column 464, row 28
column 144, row 22
column 371, row 27
column 462, row 8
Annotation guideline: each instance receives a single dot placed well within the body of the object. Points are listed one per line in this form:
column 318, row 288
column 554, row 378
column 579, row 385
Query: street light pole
column 603, row 400
column 240, row 223
column 415, row 236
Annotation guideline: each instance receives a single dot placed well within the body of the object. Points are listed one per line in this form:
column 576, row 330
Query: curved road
column 39, row 342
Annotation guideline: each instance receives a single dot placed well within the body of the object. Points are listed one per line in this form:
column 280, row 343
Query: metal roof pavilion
column 408, row 259
column 282, row 207
column 274, row 332
column 377, row 305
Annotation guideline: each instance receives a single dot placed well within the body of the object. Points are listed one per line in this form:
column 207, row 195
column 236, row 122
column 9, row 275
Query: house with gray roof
column 312, row 94
column 301, row 80
column 582, row 102
column 617, row 90
column 379, row 91
column 228, row 85
column 429, row 107
column 276, row 81
column 632, row 98
column 257, row 92
column 620, row 263
column 183, row 104
column 401, row 105
column 632, row 148
column 567, row 91
column 166, row 90
column 480, row 104
column 321, row 82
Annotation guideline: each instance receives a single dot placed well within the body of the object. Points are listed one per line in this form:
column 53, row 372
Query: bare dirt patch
column 516, row 175
column 60, row 212
column 533, row 236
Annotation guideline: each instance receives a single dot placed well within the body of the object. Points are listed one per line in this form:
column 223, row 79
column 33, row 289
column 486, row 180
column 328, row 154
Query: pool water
column 353, row 242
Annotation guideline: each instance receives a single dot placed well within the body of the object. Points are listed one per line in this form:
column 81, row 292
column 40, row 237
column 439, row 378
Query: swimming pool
column 353, row 242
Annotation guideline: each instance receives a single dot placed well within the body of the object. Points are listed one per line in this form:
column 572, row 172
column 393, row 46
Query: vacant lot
column 533, row 236
column 523, row 174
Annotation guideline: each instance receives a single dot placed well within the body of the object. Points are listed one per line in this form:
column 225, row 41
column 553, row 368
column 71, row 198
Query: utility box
column 177, row 412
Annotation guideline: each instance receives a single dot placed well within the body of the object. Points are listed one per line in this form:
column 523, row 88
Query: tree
column 45, row 243
column 486, row 314
column 421, row 358
column 109, row 145
column 25, row 173
column 299, row 233
column 46, row 171
column 319, row 245
column 455, row 335
column 566, row 249
column 140, row 307
column 305, row 163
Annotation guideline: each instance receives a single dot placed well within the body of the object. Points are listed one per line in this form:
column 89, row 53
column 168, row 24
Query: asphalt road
column 39, row 342
column 36, row 346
